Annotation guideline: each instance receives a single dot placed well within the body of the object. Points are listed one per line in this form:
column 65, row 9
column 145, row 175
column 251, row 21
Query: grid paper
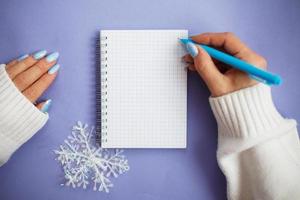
column 146, row 89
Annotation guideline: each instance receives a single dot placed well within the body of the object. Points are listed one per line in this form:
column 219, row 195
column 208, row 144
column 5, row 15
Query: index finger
column 228, row 41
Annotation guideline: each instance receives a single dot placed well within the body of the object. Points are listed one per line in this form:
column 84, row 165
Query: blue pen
column 254, row 72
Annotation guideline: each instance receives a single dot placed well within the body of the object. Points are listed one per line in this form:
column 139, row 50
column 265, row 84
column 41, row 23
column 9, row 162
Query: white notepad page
column 144, row 89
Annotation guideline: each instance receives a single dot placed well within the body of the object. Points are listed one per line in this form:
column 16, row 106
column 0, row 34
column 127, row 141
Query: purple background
column 271, row 28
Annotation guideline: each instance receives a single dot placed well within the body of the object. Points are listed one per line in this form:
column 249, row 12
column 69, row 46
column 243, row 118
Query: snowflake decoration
column 83, row 161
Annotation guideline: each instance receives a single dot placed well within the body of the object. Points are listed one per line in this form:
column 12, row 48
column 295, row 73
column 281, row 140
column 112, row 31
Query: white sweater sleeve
column 258, row 149
column 19, row 118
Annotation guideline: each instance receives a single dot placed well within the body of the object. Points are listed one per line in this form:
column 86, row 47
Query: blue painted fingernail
column 46, row 106
column 22, row 57
column 40, row 54
column 52, row 57
column 192, row 49
column 54, row 69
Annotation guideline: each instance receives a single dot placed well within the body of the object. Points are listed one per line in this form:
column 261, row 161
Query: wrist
column 246, row 112
column 232, row 86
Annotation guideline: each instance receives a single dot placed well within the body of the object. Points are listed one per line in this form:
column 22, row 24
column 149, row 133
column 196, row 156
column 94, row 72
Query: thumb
column 44, row 106
column 206, row 67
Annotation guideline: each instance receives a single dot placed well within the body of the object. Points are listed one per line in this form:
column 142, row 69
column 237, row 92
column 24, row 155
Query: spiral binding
column 98, row 91
column 103, row 93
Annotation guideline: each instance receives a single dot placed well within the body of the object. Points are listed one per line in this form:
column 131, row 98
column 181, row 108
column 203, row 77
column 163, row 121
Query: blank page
column 144, row 89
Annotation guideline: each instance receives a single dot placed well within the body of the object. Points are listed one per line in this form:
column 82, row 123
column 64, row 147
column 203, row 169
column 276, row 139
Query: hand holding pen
column 220, row 78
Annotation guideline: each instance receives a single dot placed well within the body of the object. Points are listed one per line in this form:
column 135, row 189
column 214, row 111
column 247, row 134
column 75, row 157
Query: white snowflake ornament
column 83, row 161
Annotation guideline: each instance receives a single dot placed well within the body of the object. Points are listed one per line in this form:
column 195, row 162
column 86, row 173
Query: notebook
column 143, row 89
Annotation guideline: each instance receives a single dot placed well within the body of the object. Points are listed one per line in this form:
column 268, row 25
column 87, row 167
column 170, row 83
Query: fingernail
column 54, row 69
column 38, row 55
column 52, row 57
column 46, row 106
column 192, row 49
column 22, row 57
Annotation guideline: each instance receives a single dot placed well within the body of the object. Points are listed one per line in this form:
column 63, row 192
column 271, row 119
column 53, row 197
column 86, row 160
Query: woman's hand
column 33, row 74
column 219, row 78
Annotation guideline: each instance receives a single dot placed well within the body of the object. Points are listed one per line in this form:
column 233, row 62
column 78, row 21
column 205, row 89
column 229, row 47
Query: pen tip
column 184, row 40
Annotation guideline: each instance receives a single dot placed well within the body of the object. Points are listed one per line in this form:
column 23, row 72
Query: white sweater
column 19, row 118
column 258, row 150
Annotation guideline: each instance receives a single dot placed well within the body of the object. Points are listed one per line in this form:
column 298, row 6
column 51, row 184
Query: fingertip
column 187, row 58
column 202, row 54
column 44, row 106
column 201, row 38
column 39, row 54
column 23, row 57
column 192, row 49
column 54, row 69
column 191, row 67
column 39, row 105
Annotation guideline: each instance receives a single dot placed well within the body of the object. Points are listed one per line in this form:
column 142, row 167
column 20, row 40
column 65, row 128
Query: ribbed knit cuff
column 19, row 118
column 247, row 112
column 247, row 117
